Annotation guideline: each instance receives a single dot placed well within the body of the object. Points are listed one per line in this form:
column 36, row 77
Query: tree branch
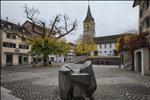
column 53, row 25
column 66, row 24
column 43, row 29
column 67, row 32
column 57, row 30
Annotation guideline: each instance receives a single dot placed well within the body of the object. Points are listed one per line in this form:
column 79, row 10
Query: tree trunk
column 45, row 59
column 34, row 65
column 122, row 59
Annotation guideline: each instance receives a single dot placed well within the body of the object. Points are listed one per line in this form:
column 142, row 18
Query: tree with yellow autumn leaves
column 84, row 45
column 47, row 46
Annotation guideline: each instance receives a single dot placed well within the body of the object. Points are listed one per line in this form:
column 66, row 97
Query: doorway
column 9, row 59
column 95, row 53
column 20, row 59
column 23, row 59
column 139, row 62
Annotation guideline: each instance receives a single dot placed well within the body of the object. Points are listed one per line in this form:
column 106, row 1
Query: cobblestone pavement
column 42, row 83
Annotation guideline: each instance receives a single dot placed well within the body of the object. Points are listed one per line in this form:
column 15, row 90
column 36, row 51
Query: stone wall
column 103, row 60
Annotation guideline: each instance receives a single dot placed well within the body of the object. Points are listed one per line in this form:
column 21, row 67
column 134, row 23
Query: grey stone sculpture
column 77, row 81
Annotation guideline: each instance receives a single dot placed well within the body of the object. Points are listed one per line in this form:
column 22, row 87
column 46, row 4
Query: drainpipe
column 0, row 48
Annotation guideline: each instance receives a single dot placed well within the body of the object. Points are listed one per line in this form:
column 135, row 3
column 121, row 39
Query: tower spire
column 88, row 2
column 89, row 15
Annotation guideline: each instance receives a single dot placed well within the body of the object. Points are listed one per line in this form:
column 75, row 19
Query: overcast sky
column 111, row 17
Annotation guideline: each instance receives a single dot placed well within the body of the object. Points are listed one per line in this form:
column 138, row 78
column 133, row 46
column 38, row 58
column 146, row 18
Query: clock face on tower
column 88, row 26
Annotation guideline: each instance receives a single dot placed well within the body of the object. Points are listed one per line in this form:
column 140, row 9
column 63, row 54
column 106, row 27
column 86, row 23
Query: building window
column 148, row 22
column 11, row 36
column 9, row 45
column 105, row 45
column 110, row 51
column 52, row 58
column 110, row 45
column 105, row 51
column 100, row 46
column 8, row 35
column 23, row 46
column 141, row 13
column 100, row 52
column 140, row 28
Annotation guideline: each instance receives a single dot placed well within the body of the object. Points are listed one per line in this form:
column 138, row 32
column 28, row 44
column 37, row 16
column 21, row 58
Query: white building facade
column 106, row 45
column 106, row 49
column 142, row 55
column 56, row 58
column 69, row 57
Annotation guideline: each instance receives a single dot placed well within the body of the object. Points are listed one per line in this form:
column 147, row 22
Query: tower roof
column 89, row 15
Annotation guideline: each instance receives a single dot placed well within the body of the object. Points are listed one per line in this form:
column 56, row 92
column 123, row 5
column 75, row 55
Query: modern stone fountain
column 77, row 81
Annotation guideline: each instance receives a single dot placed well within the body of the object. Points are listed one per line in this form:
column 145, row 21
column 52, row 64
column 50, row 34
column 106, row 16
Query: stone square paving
column 41, row 83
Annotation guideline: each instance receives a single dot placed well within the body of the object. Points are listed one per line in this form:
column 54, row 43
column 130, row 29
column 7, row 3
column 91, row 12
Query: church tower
column 89, row 24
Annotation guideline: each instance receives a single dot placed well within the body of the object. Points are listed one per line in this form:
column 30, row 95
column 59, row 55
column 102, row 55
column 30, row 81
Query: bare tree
column 59, row 27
